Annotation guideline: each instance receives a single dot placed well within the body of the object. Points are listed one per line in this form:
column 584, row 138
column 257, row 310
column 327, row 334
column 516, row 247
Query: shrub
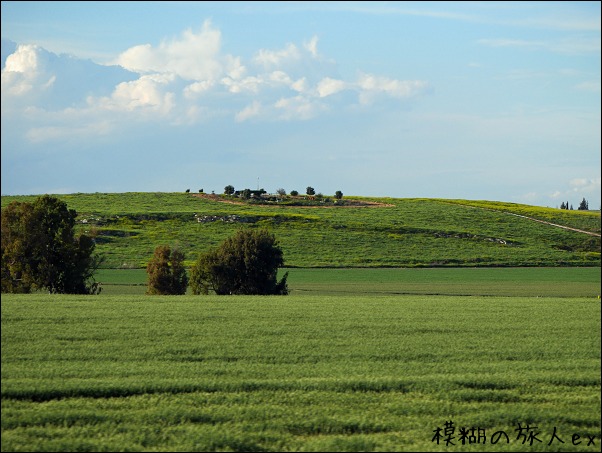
column 166, row 272
column 246, row 263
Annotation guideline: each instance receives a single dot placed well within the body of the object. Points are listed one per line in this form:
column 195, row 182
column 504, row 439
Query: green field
column 400, row 318
column 537, row 282
column 405, row 233
column 329, row 368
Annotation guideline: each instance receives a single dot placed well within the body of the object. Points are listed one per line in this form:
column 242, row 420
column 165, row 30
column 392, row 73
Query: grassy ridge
column 307, row 373
column 410, row 233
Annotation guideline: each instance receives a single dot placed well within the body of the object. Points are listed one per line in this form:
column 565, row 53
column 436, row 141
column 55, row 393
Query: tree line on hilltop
column 250, row 193
column 583, row 206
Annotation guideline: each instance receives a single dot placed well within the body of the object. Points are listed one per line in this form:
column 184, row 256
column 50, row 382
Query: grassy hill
column 396, row 233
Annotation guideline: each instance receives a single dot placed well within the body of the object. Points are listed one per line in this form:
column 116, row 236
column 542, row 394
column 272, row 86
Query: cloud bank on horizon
column 517, row 120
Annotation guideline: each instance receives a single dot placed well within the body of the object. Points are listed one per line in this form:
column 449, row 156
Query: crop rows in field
column 306, row 373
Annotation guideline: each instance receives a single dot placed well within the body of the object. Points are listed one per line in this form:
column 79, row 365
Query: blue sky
column 477, row 100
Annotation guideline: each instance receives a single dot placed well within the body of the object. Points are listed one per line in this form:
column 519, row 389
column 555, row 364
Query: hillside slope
column 398, row 233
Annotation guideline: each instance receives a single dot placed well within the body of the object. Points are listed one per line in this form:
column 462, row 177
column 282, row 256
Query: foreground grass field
column 303, row 373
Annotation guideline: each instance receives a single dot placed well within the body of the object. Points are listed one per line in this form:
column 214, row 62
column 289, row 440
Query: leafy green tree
column 310, row 190
column 246, row 263
column 229, row 189
column 338, row 195
column 294, row 193
column 41, row 252
column 166, row 272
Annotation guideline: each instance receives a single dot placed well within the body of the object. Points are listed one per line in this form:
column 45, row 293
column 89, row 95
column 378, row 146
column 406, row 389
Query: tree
column 310, row 190
column 166, row 272
column 246, row 263
column 281, row 192
column 229, row 189
column 583, row 206
column 294, row 193
column 40, row 250
column 338, row 195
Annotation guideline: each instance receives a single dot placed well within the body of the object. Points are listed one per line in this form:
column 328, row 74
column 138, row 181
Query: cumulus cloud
column 372, row 86
column 148, row 92
column 298, row 108
column 32, row 76
column 184, row 80
column 328, row 86
column 198, row 88
column 194, row 56
column 23, row 70
column 249, row 111
column 276, row 58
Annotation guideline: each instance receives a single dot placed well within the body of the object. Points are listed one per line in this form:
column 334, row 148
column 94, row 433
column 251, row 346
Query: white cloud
column 579, row 187
column 21, row 73
column 148, row 92
column 249, row 84
column 25, row 59
column 253, row 84
column 300, row 85
column 585, row 184
column 194, row 56
column 250, row 111
column 328, row 86
column 312, row 46
column 197, row 88
column 276, row 58
column 183, row 81
column 297, row 108
column 370, row 86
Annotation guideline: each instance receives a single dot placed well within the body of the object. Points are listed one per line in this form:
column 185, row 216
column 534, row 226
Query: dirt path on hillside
column 554, row 224
column 536, row 220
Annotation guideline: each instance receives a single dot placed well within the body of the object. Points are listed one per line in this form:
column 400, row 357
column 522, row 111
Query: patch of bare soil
column 346, row 204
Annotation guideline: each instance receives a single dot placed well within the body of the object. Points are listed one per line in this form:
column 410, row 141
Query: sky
column 491, row 101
